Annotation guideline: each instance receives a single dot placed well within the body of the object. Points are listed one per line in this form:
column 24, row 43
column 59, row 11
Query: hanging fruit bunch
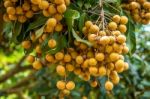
column 95, row 51
column 139, row 10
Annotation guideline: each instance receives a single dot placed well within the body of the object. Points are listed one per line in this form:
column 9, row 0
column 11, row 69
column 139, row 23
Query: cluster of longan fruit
column 104, row 58
column 139, row 10
column 19, row 10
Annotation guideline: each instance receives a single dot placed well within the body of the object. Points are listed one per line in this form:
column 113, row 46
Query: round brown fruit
column 108, row 85
column 70, row 85
column 37, row 65
column 61, row 85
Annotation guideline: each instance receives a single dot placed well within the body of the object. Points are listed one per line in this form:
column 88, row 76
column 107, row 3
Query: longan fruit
column 44, row 36
column 146, row 5
column 49, row 29
column 93, row 70
column 70, row 85
column 91, row 37
column 61, row 70
column 125, row 49
column 94, row 29
column 69, row 67
column 104, row 40
column 83, row 46
column 110, row 66
column 77, row 71
column 134, row 5
column 108, row 49
column 84, row 30
column 59, row 2
column 8, row 3
column 51, row 22
column 36, row 1
column 6, row 18
column 52, row 43
column 26, row 7
column 122, row 28
column 61, row 85
column 102, row 71
column 116, row 33
column 51, row 9
column 74, row 54
column 92, row 62
column 112, row 26
column 22, row 19
column 66, row 92
column 102, row 33
column 67, row 2
column 115, row 80
column 29, row 14
column 109, row 85
column 67, row 58
column 46, row 13
column 88, row 24
column 79, row 59
column 147, row 15
column 119, row 65
column 35, row 8
column 123, row 20
column 116, row 19
column 11, row 10
column 61, row 8
column 49, row 58
column 30, row 58
column 121, row 39
column 58, row 27
column 37, row 65
column 141, row 1
column 126, row 66
column 12, row 17
column 114, row 56
column 19, row 10
column 26, row 44
column 43, row 4
column 99, row 56
column 58, row 16
column 93, row 84
column 90, row 54
column 59, row 56
column 85, row 64
column 38, row 49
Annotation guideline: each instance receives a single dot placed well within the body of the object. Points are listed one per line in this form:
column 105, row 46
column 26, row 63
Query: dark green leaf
column 131, row 37
column 41, row 20
column 39, row 32
column 79, row 39
column 82, row 21
column 70, row 15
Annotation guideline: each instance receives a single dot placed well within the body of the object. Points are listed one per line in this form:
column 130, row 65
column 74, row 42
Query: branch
column 20, row 86
column 14, row 71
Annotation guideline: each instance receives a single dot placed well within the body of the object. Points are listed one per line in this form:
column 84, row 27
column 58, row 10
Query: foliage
column 19, row 81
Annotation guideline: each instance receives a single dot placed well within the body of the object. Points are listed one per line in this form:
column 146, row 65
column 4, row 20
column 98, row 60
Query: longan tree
column 73, row 46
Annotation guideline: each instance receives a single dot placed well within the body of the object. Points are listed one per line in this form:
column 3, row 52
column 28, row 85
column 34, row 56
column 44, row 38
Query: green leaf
column 79, row 39
column 41, row 20
column 16, row 30
column 39, row 32
column 82, row 21
column 70, row 15
column 131, row 37
column 7, row 27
